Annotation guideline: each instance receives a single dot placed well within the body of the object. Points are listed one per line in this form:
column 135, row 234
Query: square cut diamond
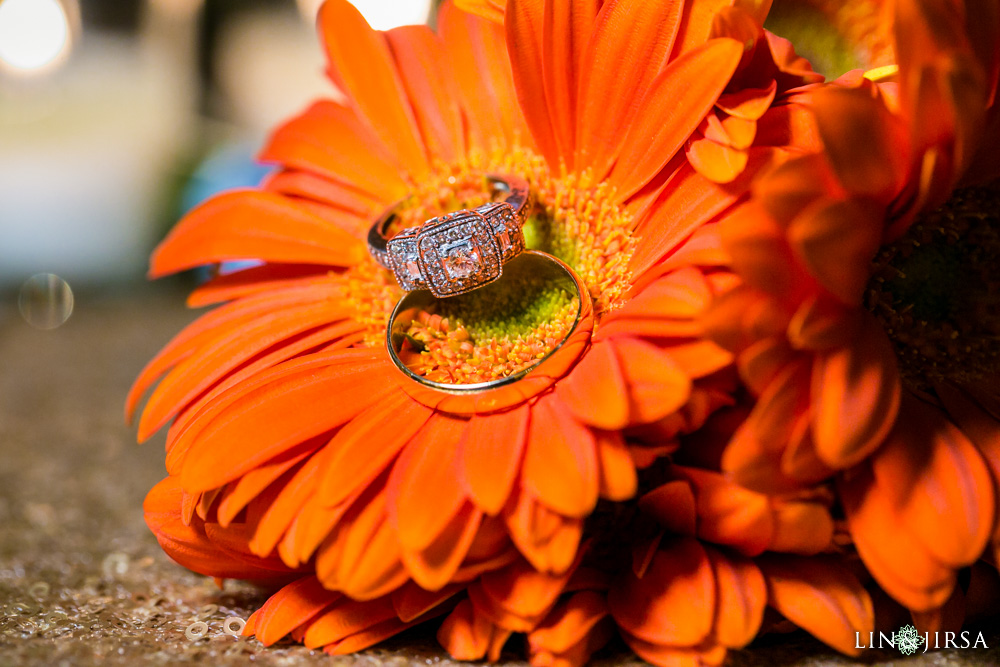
column 404, row 259
column 506, row 226
column 458, row 253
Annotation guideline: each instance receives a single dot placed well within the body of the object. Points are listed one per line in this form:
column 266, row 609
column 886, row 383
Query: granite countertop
column 82, row 581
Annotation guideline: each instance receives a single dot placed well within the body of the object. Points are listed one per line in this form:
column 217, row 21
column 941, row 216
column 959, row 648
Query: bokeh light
column 45, row 301
column 34, row 34
column 380, row 14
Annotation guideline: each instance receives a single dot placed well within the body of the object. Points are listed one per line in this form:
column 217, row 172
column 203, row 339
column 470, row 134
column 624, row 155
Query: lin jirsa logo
column 909, row 641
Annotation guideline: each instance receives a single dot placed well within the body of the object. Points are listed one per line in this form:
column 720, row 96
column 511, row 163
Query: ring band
column 513, row 389
column 457, row 252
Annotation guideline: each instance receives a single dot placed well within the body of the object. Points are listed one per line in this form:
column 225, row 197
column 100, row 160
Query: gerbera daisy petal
column 477, row 51
column 596, row 391
column 687, row 203
column 939, row 483
column 729, row 514
column 547, row 539
column 761, row 362
column 416, row 50
column 365, row 446
column 490, row 457
column 256, row 280
column 631, row 41
column 465, row 634
column 760, row 254
column 742, row 597
column 361, row 65
column 345, row 618
column 665, row 307
column 679, row 577
column 657, row 386
column 572, row 631
column 566, row 30
column 355, row 207
column 677, row 100
column 821, row 596
column 362, row 556
column 696, row 24
column 330, row 140
column 980, row 426
column 699, row 358
column 750, row 455
column 280, row 504
column 791, row 125
column 674, row 507
column 524, row 25
column 411, row 601
column 238, row 494
column 433, row 566
column 877, row 156
column 228, row 351
column 619, row 480
column 422, row 495
column 491, row 10
column 856, row 393
column 560, row 460
column 203, row 331
column 832, row 237
column 249, row 224
column 717, row 162
column 292, row 606
column 258, row 424
column 188, row 544
column 800, row 460
column 310, row 526
column 804, row 528
column 822, row 322
column 896, row 559
column 194, row 416
column 517, row 596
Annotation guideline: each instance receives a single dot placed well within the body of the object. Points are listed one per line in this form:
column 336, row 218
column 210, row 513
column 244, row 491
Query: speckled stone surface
column 82, row 582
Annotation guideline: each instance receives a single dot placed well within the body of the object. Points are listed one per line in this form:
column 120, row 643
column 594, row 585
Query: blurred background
column 118, row 115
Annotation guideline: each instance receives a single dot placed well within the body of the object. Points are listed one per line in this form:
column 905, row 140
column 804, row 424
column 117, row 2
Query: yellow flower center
column 937, row 291
column 506, row 327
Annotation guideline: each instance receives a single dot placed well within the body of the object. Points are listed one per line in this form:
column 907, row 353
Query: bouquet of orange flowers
column 576, row 319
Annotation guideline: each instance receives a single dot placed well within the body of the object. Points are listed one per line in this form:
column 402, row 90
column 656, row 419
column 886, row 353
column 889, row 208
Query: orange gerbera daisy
column 860, row 308
column 294, row 440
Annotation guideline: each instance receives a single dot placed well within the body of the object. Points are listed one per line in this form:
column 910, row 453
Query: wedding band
column 457, row 252
column 494, row 395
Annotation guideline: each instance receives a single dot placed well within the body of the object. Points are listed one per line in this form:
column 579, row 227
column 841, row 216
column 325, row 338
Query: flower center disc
column 937, row 291
column 508, row 327
column 501, row 330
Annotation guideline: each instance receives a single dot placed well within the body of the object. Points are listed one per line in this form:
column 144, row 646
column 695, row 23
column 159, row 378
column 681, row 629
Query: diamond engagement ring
column 457, row 252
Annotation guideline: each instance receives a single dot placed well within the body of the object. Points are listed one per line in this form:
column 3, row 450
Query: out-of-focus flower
column 690, row 575
column 639, row 127
column 837, row 35
column 700, row 580
column 862, row 310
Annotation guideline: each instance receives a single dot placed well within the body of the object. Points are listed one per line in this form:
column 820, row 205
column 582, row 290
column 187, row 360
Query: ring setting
column 457, row 252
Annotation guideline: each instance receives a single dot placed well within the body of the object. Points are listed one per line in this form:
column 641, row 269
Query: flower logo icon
column 908, row 640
